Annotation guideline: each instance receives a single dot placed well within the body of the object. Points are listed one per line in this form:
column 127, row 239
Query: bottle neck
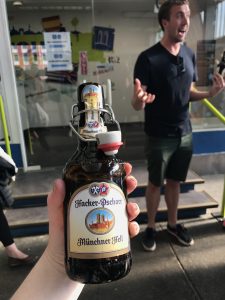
column 90, row 146
column 90, row 150
column 90, row 105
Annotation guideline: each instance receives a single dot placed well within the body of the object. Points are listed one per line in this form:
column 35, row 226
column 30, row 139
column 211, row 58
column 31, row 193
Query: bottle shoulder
column 94, row 168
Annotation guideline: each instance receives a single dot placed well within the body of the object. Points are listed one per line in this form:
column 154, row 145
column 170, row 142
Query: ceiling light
column 17, row 3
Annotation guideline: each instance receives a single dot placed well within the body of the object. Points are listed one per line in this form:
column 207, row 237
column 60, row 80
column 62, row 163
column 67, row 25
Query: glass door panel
column 48, row 40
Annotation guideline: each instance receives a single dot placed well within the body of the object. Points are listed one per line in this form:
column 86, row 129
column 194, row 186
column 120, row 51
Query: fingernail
column 136, row 207
column 136, row 225
column 54, row 186
column 132, row 178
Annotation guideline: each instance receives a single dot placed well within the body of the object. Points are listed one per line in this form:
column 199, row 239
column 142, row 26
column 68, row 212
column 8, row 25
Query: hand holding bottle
column 48, row 279
column 55, row 209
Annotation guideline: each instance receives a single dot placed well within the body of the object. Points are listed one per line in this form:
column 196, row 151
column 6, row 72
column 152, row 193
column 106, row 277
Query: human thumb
column 55, row 208
column 137, row 83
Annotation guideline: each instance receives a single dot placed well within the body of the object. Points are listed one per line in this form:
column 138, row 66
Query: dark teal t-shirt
column 169, row 77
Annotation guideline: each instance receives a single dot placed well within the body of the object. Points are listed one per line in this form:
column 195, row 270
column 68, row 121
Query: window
column 220, row 22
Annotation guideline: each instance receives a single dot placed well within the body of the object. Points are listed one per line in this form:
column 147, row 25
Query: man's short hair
column 164, row 10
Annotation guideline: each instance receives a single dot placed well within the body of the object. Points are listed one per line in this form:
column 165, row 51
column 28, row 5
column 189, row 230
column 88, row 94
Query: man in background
column 164, row 77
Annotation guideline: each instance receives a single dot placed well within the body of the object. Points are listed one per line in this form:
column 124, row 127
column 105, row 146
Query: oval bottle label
column 97, row 224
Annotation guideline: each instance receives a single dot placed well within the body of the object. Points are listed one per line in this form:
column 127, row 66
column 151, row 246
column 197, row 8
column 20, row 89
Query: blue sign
column 103, row 38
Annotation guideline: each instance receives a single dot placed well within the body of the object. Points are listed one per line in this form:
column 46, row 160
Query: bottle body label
column 97, row 223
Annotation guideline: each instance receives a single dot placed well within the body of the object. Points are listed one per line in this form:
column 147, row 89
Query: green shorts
column 168, row 158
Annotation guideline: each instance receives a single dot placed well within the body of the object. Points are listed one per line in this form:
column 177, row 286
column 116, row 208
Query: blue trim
column 16, row 154
column 29, row 230
column 205, row 142
column 32, row 201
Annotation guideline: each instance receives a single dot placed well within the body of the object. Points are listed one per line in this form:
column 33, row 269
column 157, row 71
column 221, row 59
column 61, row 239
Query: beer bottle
column 97, row 245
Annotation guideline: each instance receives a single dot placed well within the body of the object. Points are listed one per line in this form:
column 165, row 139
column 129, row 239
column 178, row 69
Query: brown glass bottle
column 94, row 212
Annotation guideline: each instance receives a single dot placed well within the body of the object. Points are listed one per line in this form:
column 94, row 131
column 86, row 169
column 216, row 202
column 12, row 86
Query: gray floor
column 171, row 272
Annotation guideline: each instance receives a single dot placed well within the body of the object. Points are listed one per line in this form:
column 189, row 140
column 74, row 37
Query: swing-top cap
column 109, row 142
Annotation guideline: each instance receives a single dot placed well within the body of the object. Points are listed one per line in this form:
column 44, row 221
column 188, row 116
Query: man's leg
column 152, row 203
column 172, row 198
column 172, row 192
column 177, row 171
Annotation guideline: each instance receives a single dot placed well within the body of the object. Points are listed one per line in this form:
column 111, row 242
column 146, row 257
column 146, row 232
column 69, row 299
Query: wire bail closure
column 74, row 123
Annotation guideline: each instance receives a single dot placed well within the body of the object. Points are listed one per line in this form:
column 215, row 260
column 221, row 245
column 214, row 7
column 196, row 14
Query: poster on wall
column 51, row 23
column 103, row 38
column 58, row 51
column 83, row 62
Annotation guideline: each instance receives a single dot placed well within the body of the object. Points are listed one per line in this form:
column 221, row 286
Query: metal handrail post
column 215, row 111
column 223, row 203
column 5, row 128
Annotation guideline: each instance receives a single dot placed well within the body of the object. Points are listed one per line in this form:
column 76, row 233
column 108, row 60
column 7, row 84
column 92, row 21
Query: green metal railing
column 221, row 117
column 215, row 111
column 4, row 126
column 223, row 202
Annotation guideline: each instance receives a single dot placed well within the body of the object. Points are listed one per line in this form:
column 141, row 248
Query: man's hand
column 218, row 85
column 141, row 97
